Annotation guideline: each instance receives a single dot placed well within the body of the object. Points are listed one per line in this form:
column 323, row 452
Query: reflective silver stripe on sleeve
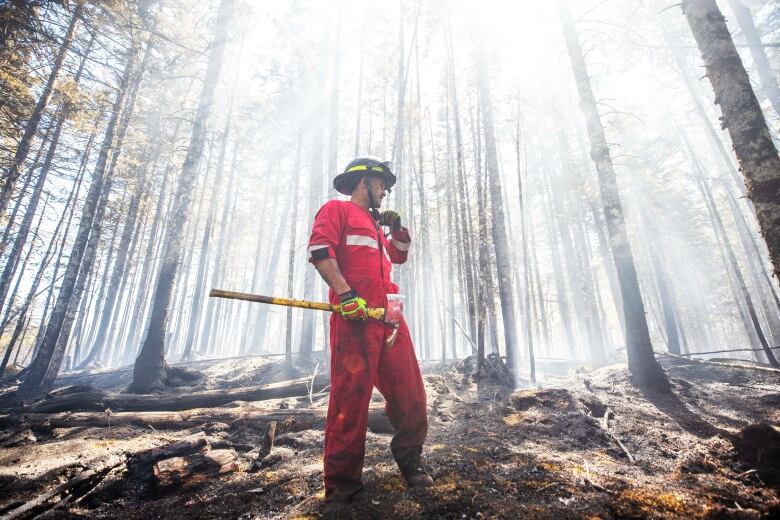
column 315, row 247
column 361, row 240
column 401, row 246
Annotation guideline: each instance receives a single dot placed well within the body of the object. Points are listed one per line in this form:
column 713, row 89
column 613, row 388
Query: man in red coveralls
column 352, row 254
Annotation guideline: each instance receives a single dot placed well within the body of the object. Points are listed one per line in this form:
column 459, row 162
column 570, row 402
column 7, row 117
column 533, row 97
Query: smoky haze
column 477, row 107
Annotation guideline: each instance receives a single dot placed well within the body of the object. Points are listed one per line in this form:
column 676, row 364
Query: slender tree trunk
column 742, row 116
column 655, row 249
column 148, row 260
column 705, row 189
column 19, row 205
column 149, row 372
column 118, row 272
column 359, row 96
column 288, row 333
column 22, row 316
column 316, row 192
column 70, row 212
column 46, row 351
column 200, row 277
column 109, row 251
column 115, row 336
column 560, row 283
column 499, row 232
column 212, row 314
column 542, row 313
column 641, row 361
column 529, row 338
column 766, row 75
column 12, row 174
column 463, row 207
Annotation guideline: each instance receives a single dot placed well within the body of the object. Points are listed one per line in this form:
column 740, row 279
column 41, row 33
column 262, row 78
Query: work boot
column 413, row 469
column 337, row 509
column 342, row 506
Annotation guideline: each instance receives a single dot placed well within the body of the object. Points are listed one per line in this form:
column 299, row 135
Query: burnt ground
column 587, row 446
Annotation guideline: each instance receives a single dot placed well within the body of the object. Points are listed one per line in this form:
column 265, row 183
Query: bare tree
column 641, row 361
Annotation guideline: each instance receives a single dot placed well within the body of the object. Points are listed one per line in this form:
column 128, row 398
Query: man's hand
column 390, row 219
column 353, row 307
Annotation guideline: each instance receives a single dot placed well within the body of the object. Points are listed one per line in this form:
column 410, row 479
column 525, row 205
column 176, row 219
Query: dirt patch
column 587, row 446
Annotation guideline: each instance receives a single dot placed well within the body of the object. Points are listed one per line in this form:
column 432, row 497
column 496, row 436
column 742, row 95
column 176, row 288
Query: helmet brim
column 345, row 183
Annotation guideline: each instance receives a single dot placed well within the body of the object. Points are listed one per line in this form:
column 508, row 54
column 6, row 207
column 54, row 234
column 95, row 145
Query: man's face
column 376, row 188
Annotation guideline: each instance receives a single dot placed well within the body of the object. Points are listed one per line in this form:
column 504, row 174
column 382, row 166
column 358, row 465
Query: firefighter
column 352, row 254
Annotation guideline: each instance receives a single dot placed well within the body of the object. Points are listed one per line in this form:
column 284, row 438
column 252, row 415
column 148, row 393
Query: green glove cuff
column 353, row 307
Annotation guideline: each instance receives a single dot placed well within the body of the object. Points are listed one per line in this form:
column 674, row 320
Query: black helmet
column 346, row 181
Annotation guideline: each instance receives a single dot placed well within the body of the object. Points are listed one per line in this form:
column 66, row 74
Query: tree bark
column 641, row 362
column 149, row 372
column 742, row 116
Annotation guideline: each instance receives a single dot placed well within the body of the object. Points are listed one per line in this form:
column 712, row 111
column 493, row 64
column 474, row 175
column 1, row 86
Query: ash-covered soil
column 588, row 446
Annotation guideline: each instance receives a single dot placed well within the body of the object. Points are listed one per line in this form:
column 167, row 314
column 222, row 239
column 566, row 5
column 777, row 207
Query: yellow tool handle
column 375, row 313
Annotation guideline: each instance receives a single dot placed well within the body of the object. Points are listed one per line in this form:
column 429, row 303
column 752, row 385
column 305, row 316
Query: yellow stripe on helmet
column 361, row 167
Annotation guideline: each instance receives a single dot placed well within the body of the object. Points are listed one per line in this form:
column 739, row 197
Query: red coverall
column 359, row 357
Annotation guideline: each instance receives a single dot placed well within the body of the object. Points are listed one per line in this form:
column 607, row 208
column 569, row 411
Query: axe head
column 393, row 313
column 394, row 310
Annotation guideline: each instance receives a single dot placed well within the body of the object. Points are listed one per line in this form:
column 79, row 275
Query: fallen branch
column 74, row 488
column 95, row 400
column 716, row 352
column 730, row 365
column 605, row 427
column 288, row 420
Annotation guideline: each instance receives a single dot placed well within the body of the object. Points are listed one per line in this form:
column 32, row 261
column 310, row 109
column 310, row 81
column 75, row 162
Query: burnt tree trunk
column 742, row 116
column 149, row 372
column 641, row 361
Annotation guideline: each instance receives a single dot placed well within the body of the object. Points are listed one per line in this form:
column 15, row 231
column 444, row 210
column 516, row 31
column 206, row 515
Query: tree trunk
column 641, row 361
column 465, row 240
column 212, row 316
column 118, row 272
column 766, row 75
column 148, row 259
column 19, row 205
column 742, row 116
column 529, row 338
column 12, row 174
column 149, row 372
column 200, row 277
column 705, row 189
column 288, row 334
column 560, row 283
column 32, row 204
column 315, row 199
column 499, row 232
column 46, row 351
